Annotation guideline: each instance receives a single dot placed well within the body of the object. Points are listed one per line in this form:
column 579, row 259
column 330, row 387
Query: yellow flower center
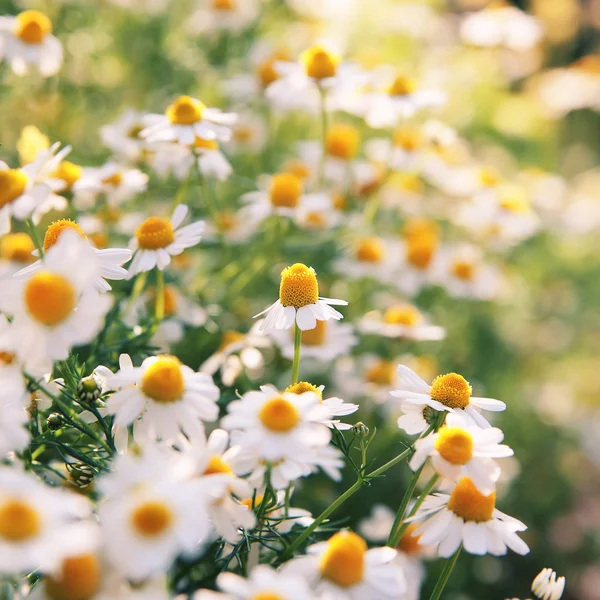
column 299, row 286
column 267, row 596
column 230, row 337
column 155, row 233
column 185, row 111
column 7, row 358
column 316, row 220
column 99, row 239
column 303, row 386
column 455, row 445
column 342, row 141
column 383, row 372
column 402, row 86
column 249, row 504
column 115, row 179
column 343, row 561
column 467, row 502
column 420, row 251
column 452, row 390
column 163, row 380
column 402, row 314
column 339, row 201
column 408, row 182
column 226, row 220
column 18, row 521
column 170, row 299
column 203, row 144
column 279, row 415
column 409, row 139
column 297, row 168
column 463, row 269
column 371, row 249
column 417, row 228
column 285, row 190
column 56, row 229
column 225, row 5
column 69, row 172
column 32, row 26
column 12, row 185
column 109, row 214
column 319, row 63
column 151, row 519
column 17, row 247
column 79, row 579
column 489, row 177
column 514, row 200
column 49, row 298
column 409, row 543
column 217, row 465
column 315, row 336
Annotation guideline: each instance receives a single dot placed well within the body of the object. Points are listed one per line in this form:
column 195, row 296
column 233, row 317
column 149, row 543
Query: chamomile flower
column 404, row 152
column 546, row 586
column 324, row 342
column 157, row 239
column 403, row 321
column 186, row 119
column 369, row 257
column 467, row 517
column 344, row 568
column 416, row 263
column 109, row 259
column 450, row 392
column 56, row 307
column 460, row 449
column 223, row 15
column 248, row 134
column 15, row 253
column 26, row 42
column 232, row 226
column 211, row 161
column 151, row 511
column 122, row 137
column 299, row 302
column 37, row 522
column 169, row 397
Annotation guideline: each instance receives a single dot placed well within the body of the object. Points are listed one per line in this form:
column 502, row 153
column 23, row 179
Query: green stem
column 394, row 536
column 444, row 576
column 159, row 308
column 297, row 343
column 35, row 237
column 138, row 288
column 424, row 493
column 390, row 463
column 323, row 137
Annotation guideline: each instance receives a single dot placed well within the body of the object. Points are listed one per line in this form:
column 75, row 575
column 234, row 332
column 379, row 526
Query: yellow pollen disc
column 342, row 141
column 49, row 298
column 319, row 63
column 297, row 168
column 248, row 501
column 409, row 543
column 230, row 337
column 452, row 390
column 12, row 185
column 69, row 172
column 383, row 372
column 285, row 190
column 462, row 269
column 316, row 336
column 155, row 233
column 343, row 561
column 17, row 247
column 185, row 111
column 243, row 133
column 514, row 200
column 55, row 230
column 217, row 465
column 7, row 358
column 417, row 228
column 303, row 386
column 226, row 221
column 402, row 314
column 316, row 220
column 225, row 5
column 467, row 502
column 79, row 579
column 339, row 201
column 163, row 380
column 267, row 596
column 109, row 214
column 206, row 144
column 409, row 139
column 420, row 252
column 115, row 179
column 99, row 239
column 455, row 445
column 489, row 177
column 266, row 71
column 32, row 26
column 408, row 182
column 299, row 286
column 402, row 86
column 370, row 250
column 152, row 519
column 18, row 521
column 279, row 415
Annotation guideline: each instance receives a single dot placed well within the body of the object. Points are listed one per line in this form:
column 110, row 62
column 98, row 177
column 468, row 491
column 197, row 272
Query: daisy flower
column 109, row 259
column 450, row 392
column 299, row 302
column 369, row 257
column 223, row 15
column 56, row 307
column 416, row 263
column 326, row 341
column 169, row 397
column 467, row 517
column 151, row 511
column 26, row 41
column 264, row 582
column 403, row 321
column 404, row 152
column 37, row 522
column 546, row 586
column 248, row 134
column 23, row 193
column 122, row 137
column 232, row 226
column 238, row 353
column 15, row 253
column 459, row 449
column 157, row 239
column 186, row 119
column 343, row 568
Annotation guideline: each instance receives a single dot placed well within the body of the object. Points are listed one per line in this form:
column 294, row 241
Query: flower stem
column 444, row 576
column 425, row 492
column 394, row 536
column 35, row 237
column 159, row 308
column 324, row 137
column 297, row 343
